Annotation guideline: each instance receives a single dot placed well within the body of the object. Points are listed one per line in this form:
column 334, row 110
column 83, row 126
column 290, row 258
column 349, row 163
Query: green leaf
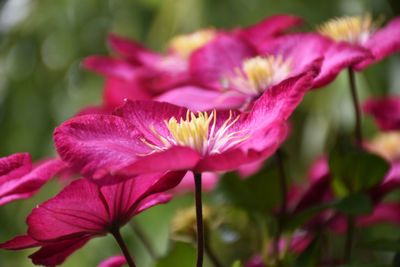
column 259, row 193
column 356, row 204
column 354, row 169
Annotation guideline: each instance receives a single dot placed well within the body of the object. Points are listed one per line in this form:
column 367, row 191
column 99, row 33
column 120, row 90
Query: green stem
column 348, row 249
column 357, row 111
column 124, row 248
column 199, row 220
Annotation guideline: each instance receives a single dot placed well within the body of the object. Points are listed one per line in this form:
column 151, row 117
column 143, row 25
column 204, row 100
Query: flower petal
column 268, row 27
column 385, row 111
column 56, row 253
column 75, row 212
column 132, row 50
column 20, row 242
column 114, row 261
column 382, row 43
column 24, row 186
column 96, row 145
column 211, row 63
column 112, row 67
column 202, row 99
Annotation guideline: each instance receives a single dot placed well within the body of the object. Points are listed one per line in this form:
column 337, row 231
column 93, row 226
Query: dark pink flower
column 138, row 73
column 19, row 179
column 301, row 49
column 385, row 111
column 151, row 136
column 83, row 210
column 362, row 31
column 114, row 261
column 232, row 74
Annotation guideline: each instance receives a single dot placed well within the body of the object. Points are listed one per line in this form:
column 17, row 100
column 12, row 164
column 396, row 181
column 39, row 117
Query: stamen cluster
column 199, row 132
column 353, row 29
column 258, row 73
column 185, row 44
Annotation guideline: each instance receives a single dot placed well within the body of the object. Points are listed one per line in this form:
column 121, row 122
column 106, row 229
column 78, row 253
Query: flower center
column 352, row 29
column 259, row 73
column 199, row 132
column 185, row 44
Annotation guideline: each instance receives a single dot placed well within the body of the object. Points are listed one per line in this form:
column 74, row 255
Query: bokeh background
column 42, row 83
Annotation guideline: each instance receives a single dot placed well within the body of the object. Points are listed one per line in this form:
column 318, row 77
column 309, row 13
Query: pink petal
column 132, row 50
column 385, row 111
column 145, row 115
column 114, row 261
column 55, row 253
column 96, row 145
column 383, row 42
column 117, row 90
column 19, row 242
column 338, row 57
column 75, row 212
column 29, row 183
column 383, row 213
column 125, row 199
column 152, row 201
column 202, row 99
column 279, row 101
column 173, row 159
column 14, row 166
column 211, row 63
column 112, row 67
column 270, row 26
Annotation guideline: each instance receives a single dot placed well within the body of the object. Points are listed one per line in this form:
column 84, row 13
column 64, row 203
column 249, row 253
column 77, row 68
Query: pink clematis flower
column 363, row 32
column 19, row 179
column 233, row 73
column 150, row 136
column 385, row 111
column 138, row 73
column 114, row 261
column 83, row 210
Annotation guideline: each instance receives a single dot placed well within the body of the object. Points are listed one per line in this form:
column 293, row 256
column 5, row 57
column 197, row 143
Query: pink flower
column 151, row 136
column 301, row 49
column 114, row 261
column 138, row 73
column 83, row 210
column 385, row 111
column 19, row 179
column 230, row 73
column 362, row 31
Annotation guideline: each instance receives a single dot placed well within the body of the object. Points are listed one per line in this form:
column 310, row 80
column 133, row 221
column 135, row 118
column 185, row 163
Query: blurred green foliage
column 42, row 44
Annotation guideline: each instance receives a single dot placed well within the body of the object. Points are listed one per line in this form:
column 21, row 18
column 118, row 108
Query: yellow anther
column 353, row 29
column 258, row 73
column 199, row 131
column 185, row 44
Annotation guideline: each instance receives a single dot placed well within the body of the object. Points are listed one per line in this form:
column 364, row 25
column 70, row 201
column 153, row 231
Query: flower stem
column 124, row 248
column 142, row 236
column 283, row 209
column 199, row 220
column 357, row 112
column 348, row 249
